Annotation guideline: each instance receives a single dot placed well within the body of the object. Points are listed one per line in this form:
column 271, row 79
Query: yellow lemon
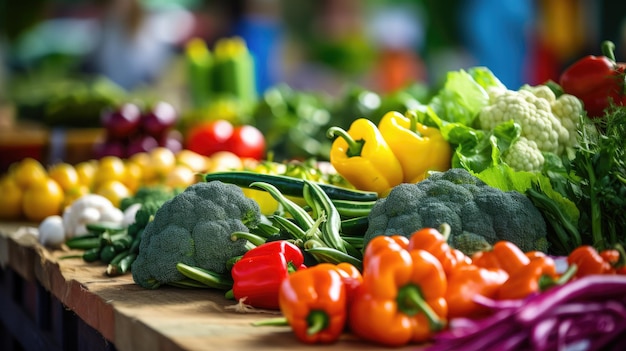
column 180, row 177
column 193, row 160
column 65, row 174
column 10, row 199
column 86, row 171
column 109, row 168
column 133, row 177
column 42, row 199
column 28, row 172
column 114, row 190
column 162, row 161
column 142, row 159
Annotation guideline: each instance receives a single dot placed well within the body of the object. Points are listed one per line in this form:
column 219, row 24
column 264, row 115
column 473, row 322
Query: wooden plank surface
column 137, row 319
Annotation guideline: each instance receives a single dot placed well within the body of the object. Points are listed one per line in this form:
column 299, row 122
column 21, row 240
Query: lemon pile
column 31, row 191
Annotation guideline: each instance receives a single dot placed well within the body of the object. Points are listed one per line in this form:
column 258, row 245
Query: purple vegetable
column 585, row 314
column 589, row 288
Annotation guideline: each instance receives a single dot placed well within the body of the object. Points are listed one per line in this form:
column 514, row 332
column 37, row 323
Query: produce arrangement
column 478, row 217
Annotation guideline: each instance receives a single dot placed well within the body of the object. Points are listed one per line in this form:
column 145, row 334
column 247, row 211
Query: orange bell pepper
column 436, row 242
column 468, row 281
column 352, row 278
column 313, row 301
column 401, row 299
column 504, row 255
column 536, row 276
column 589, row 261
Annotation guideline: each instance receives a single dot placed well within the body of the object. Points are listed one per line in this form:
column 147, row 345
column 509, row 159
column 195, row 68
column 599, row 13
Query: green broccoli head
column 478, row 215
column 194, row 227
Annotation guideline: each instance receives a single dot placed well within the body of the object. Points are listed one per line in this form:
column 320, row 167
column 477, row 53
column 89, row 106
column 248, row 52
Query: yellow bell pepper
column 362, row 156
column 419, row 148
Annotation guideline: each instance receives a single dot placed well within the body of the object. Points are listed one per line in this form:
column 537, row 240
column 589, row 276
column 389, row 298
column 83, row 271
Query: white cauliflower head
column 568, row 109
column 532, row 110
column 524, row 155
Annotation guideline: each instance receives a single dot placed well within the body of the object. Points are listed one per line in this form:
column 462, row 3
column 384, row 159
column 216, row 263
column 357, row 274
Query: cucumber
column 101, row 227
column 83, row 242
column 289, row 186
column 107, row 254
column 91, row 255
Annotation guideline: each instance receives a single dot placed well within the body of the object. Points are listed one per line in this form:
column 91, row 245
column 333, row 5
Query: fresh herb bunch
column 600, row 164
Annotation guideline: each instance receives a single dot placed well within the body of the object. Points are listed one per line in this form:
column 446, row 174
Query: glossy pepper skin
column 539, row 274
column 504, row 255
column 589, row 261
column 401, row 299
column 257, row 276
column 468, row 281
column 596, row 80
column 419, row 148
column 363, row 157
column 314, row 301
column 436, row 242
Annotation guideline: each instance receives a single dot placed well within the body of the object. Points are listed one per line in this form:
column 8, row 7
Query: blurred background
column 61, row 60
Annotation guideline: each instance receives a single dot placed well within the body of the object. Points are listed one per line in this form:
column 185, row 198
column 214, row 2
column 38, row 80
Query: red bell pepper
column 597, row 80
column 257, row 276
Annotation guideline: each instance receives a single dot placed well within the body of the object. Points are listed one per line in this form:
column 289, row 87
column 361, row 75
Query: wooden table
column 128, row 317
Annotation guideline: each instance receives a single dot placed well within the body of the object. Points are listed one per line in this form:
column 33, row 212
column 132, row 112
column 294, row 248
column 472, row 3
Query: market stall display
column 519, row 195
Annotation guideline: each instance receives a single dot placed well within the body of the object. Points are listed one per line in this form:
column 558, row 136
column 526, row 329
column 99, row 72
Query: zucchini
column 354, row 226
column 289, row 186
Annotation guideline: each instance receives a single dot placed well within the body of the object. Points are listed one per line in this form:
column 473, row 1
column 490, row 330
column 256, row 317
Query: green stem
column 273, row 322
column 317, row 321
column 354, row 147
column 411, row 302
column 412, row 116
column 445, row 230
column 608, row 49
column 596, row 210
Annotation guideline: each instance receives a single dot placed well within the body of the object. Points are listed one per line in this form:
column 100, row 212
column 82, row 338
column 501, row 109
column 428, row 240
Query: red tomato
column 247, row 142
column 210, row 137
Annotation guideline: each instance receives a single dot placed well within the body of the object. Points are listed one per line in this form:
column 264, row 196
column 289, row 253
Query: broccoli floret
column 478, row 214
column 194, row 228
column 144, row 215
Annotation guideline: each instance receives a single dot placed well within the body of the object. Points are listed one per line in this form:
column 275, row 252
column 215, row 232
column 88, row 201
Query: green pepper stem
column 608, row 49
column 317, row 321
column 445, row 230
column 354, row 147
column 410, row 301
column 546, row 281
column 412, row 116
